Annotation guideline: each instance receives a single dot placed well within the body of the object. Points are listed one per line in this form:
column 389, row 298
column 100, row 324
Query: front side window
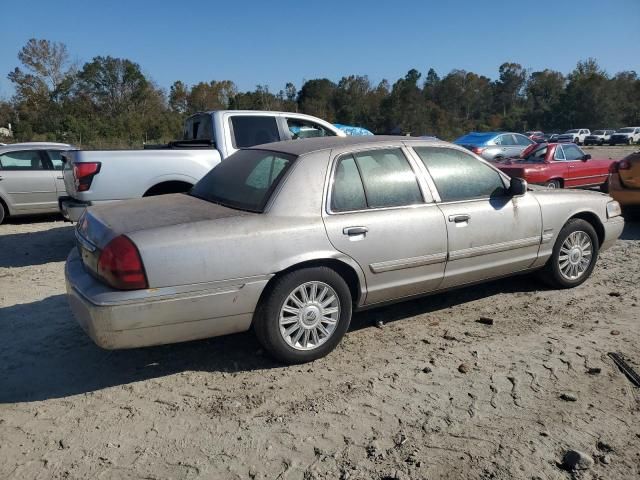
column 523, row 141
column 253, row 130
column 23, row 160
column 459, row 176
column 306, row 129
column 245, row 181
column 374, row 179
column 505, row 140
column 572, row 152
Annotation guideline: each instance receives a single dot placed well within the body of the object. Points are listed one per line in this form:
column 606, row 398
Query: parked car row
column 583, row 136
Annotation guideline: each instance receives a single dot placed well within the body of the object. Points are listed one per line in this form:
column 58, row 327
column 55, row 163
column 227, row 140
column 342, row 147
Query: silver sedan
column 290, row 238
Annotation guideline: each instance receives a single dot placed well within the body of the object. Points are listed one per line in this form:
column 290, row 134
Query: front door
column 27, row 181
column 490, row 233
column 582, row 172
column 380, row 215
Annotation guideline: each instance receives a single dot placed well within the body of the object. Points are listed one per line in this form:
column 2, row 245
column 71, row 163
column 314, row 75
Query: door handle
column 60, row 178
column 0, row 177
column 355, row 230
column 459, row 218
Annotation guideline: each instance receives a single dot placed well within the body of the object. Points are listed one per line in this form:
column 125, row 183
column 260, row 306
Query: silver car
column 31, row 178
column 495, row 146
column 290, row 238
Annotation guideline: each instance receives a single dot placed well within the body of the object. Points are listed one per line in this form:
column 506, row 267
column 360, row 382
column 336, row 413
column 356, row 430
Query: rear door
column 27, row 181
column 380, row 214
column 55, row 159
column 508, row 146
column 490, row 233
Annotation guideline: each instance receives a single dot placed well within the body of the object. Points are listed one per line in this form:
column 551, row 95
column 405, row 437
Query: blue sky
column 273, row 42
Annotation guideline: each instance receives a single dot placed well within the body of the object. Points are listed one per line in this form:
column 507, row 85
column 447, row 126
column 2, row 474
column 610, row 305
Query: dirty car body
column 341, row 223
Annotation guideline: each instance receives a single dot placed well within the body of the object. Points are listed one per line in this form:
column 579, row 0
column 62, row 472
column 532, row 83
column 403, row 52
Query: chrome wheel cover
column 576, row 254
column 309, row 315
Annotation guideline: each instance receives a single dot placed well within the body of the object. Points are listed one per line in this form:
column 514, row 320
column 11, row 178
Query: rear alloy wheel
column 574, row 255
column 305, row 315
column 553, row 184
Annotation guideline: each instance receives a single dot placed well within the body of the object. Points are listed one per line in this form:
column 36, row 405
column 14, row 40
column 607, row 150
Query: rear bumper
column 71, row 208
column 625, row 196
column 129, row 319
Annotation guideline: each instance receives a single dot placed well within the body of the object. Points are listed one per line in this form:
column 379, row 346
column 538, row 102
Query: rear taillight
column 120, row 265
column 84, row 173
column 477, row 150
column 624, row 165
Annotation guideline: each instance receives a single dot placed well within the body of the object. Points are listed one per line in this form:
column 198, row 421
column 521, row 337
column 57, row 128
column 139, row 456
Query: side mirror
column 586, row 157
column 517, row 187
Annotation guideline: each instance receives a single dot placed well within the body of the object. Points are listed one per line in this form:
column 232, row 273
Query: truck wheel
column 553, row 184
column 574, row 255
column 304, row 315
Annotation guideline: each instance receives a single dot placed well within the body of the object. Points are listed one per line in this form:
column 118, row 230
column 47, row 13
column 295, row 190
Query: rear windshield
column 571, row 131
column 625, row 130
column 245, row 180
column 598, row 132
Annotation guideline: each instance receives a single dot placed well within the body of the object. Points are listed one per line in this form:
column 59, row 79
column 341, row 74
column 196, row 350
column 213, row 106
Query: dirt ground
column 432, row 394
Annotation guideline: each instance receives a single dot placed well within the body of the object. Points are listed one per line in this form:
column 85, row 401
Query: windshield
column 245, row 180
column 625, row 130
column 571, row 131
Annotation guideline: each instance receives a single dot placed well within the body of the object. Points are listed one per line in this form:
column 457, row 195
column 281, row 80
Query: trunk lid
column 630, row 177
column 100, row 224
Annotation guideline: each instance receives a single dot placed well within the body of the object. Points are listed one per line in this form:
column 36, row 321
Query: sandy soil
column 431, row 394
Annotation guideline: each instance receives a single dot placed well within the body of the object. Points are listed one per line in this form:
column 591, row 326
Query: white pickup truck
column 96, row 176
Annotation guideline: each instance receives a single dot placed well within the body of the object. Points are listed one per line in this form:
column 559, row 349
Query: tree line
column 110, row 101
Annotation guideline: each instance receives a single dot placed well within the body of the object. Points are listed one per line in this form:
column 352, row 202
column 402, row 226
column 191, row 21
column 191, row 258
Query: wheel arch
column 559, row 179
column 351, row 274
column 168, row 186
column 594, row 221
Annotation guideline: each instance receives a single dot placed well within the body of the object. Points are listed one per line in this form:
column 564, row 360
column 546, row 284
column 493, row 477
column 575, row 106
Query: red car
column 558, row 166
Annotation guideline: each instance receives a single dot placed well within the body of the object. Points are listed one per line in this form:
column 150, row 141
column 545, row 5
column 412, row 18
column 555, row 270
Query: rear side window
column 459, row 176
column 245, row 181
column 374, row 179
column 559, row 155
column 56, row 159
column 23, row 160
column 305, row 129
column 248, row 131
column 198, row 127
column 348, row 191
column 505, row 140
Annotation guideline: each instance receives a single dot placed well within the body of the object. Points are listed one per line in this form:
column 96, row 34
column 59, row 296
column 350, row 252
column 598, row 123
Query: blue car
column 494, row 146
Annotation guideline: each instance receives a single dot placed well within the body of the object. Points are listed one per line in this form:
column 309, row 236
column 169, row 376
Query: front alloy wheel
column 574, row 255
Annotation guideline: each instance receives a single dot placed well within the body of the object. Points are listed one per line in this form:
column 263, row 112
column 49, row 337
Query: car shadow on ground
column 45, row 354
column 631, row 228
column 35, row 248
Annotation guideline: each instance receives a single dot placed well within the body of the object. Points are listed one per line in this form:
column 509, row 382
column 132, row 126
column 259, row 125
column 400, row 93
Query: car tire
column 566, row 267
column 277, row 325
column 3, row 213
column 553, row 184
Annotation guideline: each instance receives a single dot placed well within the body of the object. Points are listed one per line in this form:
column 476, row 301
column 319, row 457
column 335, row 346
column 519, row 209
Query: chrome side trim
column 494, row 248
column 84, row 242
column 408, row 263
